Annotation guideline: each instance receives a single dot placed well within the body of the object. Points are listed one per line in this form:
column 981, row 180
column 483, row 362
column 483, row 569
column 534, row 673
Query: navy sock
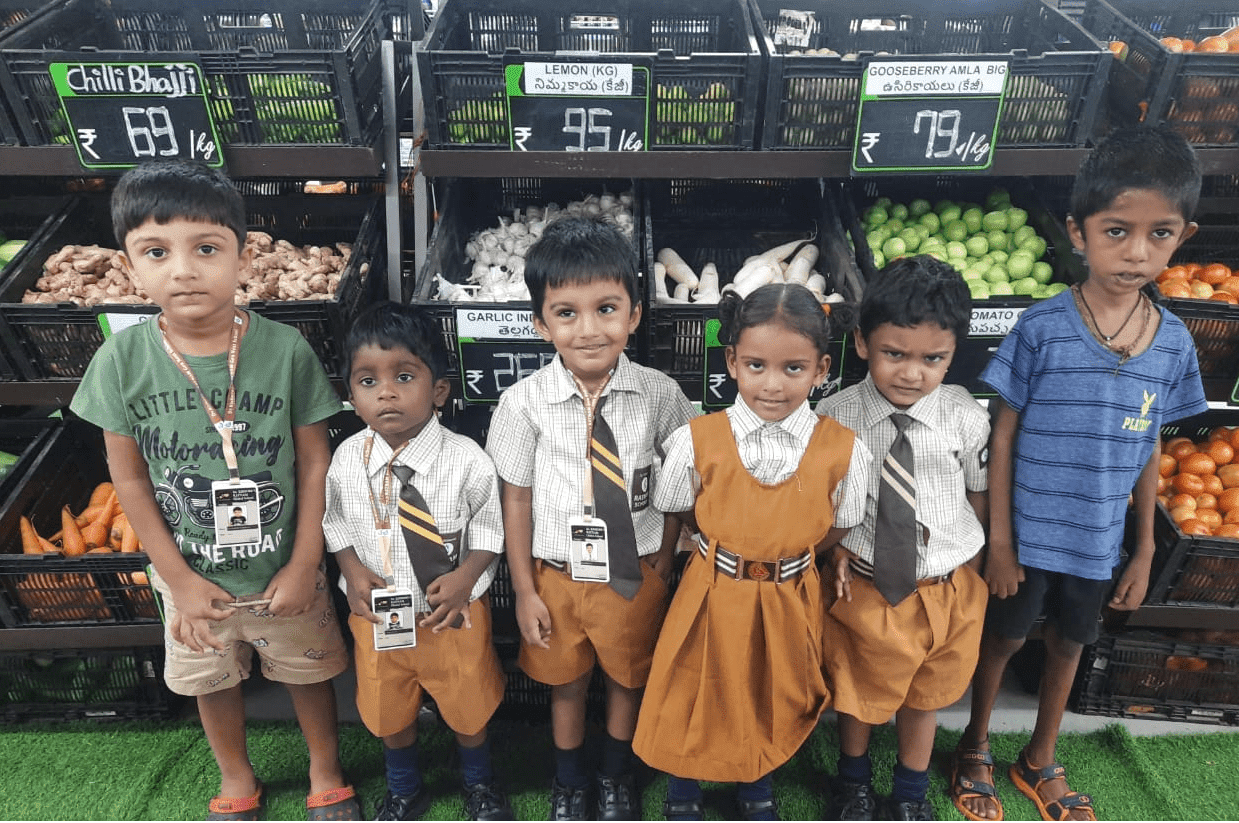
column 909, row 785
column 760, row 789
column 682, row 790
column 616, row 757
column 403, row 775
column 856, row 769
column 570, row 767
column 475, row 763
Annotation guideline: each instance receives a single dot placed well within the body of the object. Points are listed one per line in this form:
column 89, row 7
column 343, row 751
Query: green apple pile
column 992, row 246
column 685, row 118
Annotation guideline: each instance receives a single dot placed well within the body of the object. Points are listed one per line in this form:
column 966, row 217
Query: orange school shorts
column 920, row 654
column 590, row 622
column 457, row 667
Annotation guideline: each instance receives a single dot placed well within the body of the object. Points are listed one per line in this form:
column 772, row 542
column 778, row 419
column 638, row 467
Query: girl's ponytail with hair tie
column 728, row 313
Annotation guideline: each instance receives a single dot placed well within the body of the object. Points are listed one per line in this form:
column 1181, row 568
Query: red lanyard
column 222, row 424
column 382, row 519
column 590, row 401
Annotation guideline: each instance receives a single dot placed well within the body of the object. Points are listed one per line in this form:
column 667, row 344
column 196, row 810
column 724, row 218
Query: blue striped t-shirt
column 1087, row 428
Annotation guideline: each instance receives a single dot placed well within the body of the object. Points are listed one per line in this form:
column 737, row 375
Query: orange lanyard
column 223, row 424
column 382, row 517
column 590, row 401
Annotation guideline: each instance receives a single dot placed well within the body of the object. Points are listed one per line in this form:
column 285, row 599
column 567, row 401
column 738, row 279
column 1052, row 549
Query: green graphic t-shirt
column 133, row 388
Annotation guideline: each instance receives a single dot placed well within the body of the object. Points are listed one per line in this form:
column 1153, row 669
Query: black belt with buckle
column 866, row 571
column 760, row 571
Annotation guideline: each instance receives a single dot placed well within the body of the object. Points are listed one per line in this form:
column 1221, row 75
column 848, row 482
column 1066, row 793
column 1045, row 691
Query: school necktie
column 421, row 534
column 611, row 504
column 894, row 532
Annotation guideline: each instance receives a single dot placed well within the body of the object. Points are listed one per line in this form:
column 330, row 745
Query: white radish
column 682, row 292
column 707, row 288
column 677, row 269
column 802, row 263
column 759, row 261
column 756, row 278
column 817, row 285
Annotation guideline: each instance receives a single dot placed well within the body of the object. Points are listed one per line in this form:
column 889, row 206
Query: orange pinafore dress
column 736, row 685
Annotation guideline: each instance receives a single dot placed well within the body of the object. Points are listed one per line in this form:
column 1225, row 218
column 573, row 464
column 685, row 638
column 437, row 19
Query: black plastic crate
column 13, row 12
column 473, row 204
column 1158, row 677
column 1214, row 325
column 992, row 317
column 1188, row 569
column 725, row 222
column 704, row 58
column 1055, row 88
column 56, row 341
column 1195, row 92
column 22, row 218
column 85, row 684
column 23, row 438
column 286, row 73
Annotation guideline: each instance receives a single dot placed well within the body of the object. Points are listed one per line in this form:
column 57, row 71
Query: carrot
column 100, row 550
column 30, row 538
column 89, row 515
column 116, row 534
column 72, row 542
column 95, row 534
column 129, row 540
column 48, row 546
column 101, row 493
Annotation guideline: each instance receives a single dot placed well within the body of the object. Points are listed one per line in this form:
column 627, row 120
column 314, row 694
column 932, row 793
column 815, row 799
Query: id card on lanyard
column 392, row 605
column 234, row 502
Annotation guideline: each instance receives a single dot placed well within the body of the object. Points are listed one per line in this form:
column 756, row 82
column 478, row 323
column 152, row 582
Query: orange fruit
column 1231, row 516
column 1213, row 484
column 1175, row 287
column 1209, row 517
column 1193, row 267
column 1167, row 465
column 1220, row 433
column 1172, row 272
column 1187, row 483
column 1200, row 290
column 1179, row 447
column 1234, row 437
column 1228, row 500
column 1198, row 463
column 1180, row 513
column 1230, row 285
column 1215, row 43
column 1206, row 501
column 1181, row 499
column 1163, row 485
column 1230, row 530
column 1172, row 43
column 1229, row 475
column 1194, row 526
column 1224, row 297
column 1221, row 451
column 1214, row 273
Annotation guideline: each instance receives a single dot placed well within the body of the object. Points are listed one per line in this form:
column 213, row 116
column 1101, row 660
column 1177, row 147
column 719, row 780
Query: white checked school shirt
column 452, row 473
column 949, row 437
column 537, row 439
column 770, row 452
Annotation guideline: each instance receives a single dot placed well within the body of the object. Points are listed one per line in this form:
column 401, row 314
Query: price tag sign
column 112, row 320
column 497, row 347
column 932, row 114
column 121, row 114
column 578, row 106
column 719, row 390
column 993, row 322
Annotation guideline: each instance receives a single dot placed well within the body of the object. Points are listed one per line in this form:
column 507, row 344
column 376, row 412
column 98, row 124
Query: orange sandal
column 237, row 808
column 1028, row 778
column 333, row 804
column 963, row 788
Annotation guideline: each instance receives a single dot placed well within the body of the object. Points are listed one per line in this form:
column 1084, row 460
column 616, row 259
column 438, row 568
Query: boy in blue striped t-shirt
column 1085, row 381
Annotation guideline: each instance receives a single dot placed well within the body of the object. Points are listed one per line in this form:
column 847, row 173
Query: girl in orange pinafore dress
column 736, row 685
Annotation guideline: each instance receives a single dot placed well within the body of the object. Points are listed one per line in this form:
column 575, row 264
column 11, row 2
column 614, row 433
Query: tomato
column 1172, row 272
column 1230, row 285
column 1175, row 287
column 1180, row 513
column 1229, row 475
column 1228, row 500
column 1209, row 517
column 1198, row 463
column 1179, row 447
column 1230, row 530
column 1187, row 483
column 1213, row 484
column 1221, row 451
column 1214, row 273
column 1181, row 499
column 1206, row 501
column 1167, row 465
column 1194, row 526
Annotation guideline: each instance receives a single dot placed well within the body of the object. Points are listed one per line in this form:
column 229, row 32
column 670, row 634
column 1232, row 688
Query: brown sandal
column 1028, row 778
column 963, row 788
column 333, row 804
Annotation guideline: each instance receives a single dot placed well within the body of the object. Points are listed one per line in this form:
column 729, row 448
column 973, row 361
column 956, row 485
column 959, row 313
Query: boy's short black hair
column 580, row 250
column 919, row 289
column 1156, row 158
column 166, row 190
column 388, row 324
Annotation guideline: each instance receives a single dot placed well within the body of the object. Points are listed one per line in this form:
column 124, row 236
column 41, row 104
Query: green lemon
column 1021, row 235
column 919, row 206
column 899, row 211
column 972, row 219
column 994, row 221
column 895, row 225
column 911, row 239
column 883, row 202
column 998, row 198
column 998, row 240
column 1020, row 264
column 879, row 259
column 977, row 245
column 1000, row 289
column 997, row 274
column 979, row 289
column 931, row 221
column 1042, row 272
column 1036, row 245
column 975, row 271
column 948, row 210
column 997, row 255
column 876, row 216
column 880, row 234
column 894, row 247
column 1041, row 292
column 1024, row 286
column 1055, row 288
column 955, row 248
column 1016, row 218
column 955, row 230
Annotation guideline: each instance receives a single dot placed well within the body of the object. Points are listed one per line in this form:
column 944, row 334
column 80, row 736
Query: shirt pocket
column 940, row 493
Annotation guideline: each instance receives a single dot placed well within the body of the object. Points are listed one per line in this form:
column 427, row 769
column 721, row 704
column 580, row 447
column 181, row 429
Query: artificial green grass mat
column 165, row 771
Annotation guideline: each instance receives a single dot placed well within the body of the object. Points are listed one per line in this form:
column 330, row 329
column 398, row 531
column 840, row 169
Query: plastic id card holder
column 588, row 558
column 396, row 628
column 235, row 506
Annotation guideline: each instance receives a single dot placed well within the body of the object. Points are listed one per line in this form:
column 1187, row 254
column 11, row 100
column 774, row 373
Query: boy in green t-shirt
column 207, row 409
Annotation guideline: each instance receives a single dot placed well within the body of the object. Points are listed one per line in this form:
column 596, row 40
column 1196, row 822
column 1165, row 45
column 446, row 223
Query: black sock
column 760, row 789
column 475, row 763
column 616, row 757
column 682, row 790
column 570, row 767
column 909, row 786
column 856, row 769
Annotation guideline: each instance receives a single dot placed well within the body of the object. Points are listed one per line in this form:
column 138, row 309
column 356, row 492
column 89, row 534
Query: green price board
column 578, row 106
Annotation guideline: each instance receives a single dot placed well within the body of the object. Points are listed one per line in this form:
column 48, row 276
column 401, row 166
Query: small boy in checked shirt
column 397, row 381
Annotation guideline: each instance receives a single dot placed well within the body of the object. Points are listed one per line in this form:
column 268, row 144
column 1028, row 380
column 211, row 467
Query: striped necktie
column 611, row 504
column 429, row 558
column 894, row 532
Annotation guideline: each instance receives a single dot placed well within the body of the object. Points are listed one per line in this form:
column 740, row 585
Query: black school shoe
column 484, row 801
column 568, row 803
column 765, row 809
column 852, row 801
column 403, row 806
column 616, row 798
column 909, row 809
